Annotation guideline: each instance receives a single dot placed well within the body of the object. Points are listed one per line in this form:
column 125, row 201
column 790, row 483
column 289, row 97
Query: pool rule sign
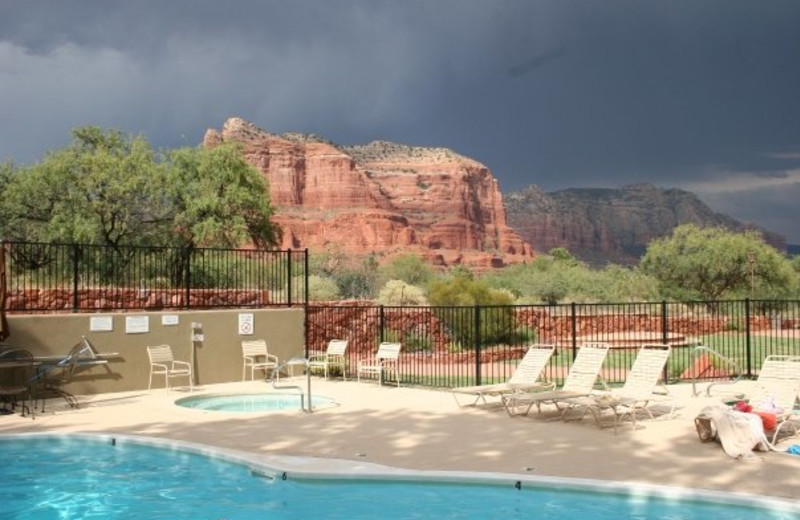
column 245, row 324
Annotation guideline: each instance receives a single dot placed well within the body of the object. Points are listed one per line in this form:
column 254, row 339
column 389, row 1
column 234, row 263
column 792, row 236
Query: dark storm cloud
column 559, row 94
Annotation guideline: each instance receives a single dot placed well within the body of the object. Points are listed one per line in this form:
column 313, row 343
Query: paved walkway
column 425, row 429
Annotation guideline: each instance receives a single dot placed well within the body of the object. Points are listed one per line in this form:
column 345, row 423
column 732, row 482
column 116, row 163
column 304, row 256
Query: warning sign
column 245, row 324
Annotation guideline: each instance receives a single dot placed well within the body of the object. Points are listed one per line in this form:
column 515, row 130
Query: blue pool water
column 260, row 402
column 74, row 478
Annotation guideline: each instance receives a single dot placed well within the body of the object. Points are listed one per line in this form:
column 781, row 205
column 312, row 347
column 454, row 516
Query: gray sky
column 697, row 94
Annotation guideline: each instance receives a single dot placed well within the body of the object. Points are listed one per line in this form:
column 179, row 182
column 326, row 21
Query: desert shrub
column 322, row 288
column 398, row 292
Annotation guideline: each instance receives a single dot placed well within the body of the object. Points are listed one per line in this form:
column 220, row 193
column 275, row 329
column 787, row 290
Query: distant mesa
column 603, row 226
column 381, row 198
column 388, row 199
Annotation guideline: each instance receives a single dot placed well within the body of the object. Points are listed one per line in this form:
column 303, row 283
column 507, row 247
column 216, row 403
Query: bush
column 398, row 292
column 321, row 288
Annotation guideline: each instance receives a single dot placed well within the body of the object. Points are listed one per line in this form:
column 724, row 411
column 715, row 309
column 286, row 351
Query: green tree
column 411, row 269
column 96, row 190
column 216, row 198
column 713, row 263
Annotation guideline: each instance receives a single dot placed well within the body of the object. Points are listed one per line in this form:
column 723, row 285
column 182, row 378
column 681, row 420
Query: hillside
column 610, row 225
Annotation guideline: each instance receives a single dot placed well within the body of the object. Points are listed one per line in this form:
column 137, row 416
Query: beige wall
column 218, row 358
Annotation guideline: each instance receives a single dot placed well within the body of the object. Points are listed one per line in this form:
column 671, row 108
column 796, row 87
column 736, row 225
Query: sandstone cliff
column 610, row 225
column 380, row 198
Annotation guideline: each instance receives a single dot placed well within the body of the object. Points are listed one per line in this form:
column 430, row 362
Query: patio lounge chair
column 384, row 362
column 162, row 363
column 638, row 391
column 54, row 373
column 16, row 379
column 256, row 355
column 580, row 381
column 526, row 377
column 776, row 391
column 333, row 357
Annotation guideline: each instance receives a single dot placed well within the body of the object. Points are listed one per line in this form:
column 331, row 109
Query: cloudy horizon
column 699, row 95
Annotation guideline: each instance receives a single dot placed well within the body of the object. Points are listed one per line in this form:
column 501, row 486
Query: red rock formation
column 381, row 198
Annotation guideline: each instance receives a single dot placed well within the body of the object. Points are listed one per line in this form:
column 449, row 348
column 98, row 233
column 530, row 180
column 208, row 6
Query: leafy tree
column 563, row 256
column 111, row 189
column 216, row 198
column 713, row 263
column 96, row 190
column 411, row 269
column 461, row 289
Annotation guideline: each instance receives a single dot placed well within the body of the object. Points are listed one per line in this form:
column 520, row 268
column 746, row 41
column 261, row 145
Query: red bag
column 742, row 406
column 769, row 420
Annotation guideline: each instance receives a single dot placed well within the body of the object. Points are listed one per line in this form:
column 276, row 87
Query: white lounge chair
column 385, row 362
column 334, row 356
column 162, row 363
column 636, row 394
column 526, row 377
column 776, row 391
column 255, row 355
column 580, row 381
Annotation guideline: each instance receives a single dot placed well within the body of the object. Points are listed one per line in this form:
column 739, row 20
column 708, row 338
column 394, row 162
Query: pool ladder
column 700, row 349
column 293, row 362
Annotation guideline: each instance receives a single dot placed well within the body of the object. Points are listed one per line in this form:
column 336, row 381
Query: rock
column 381, row 198
column 610, row 225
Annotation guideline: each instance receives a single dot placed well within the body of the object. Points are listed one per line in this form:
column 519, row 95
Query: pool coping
column 285, row 467
column 332, row 403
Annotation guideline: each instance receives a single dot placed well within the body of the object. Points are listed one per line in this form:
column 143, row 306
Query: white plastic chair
column 252, row 353
column 333, row 357
column 384, row 363
column 162, row 363
column 582, row 376
column 526, row 377
column 638, row 391
column 776, row 391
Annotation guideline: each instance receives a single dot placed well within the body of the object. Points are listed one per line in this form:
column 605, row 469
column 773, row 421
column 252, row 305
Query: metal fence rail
column 79, row 277
column 453, row 346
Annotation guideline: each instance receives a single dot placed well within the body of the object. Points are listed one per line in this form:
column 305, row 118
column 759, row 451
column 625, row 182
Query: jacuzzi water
column 260, row 402
column 113, row 478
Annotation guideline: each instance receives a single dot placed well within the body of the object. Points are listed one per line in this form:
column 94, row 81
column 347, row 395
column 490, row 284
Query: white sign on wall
column 137, row 324
column 169, row 319
column 101, row 323
column 246, row 323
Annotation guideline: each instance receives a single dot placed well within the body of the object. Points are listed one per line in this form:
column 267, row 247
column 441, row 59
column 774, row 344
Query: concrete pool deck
column 424, row 429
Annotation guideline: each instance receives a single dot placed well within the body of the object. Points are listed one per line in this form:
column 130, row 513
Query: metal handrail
column 295, row 361
column 703, row 348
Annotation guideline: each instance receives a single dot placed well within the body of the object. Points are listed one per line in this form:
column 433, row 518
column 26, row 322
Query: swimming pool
column 257, row 402
column 64, row 477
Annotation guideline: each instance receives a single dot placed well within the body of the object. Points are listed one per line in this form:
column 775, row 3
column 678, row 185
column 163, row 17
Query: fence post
column 747, row 345
column 306, row 306
column 664, row 323
column 306, row 293
column 75, row 277
column 573, row 308
column 381, row 323
column 188, row 274
column 289, row 276
column 477, row 344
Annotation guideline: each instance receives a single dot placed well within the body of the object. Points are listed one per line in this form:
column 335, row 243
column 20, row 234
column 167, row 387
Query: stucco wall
column 217, row 359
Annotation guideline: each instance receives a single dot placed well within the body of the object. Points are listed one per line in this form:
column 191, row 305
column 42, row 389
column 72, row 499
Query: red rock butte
column 381, row 198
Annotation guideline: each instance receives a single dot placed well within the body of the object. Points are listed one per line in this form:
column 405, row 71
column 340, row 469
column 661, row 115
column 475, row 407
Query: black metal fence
column 455, row 346
column 76, row 277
